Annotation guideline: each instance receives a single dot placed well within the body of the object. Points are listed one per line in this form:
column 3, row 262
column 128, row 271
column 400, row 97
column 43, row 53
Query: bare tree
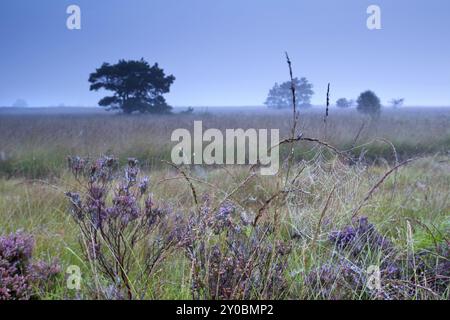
column 397, row 102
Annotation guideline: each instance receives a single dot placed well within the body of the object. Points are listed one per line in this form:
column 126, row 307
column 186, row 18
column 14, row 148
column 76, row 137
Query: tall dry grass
column 37, row 145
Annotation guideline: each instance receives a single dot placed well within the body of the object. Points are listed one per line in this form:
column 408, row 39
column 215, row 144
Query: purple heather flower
column 16, row 249
column 360, row 236
column 126, row 208
column 76, row 205
column 222, row 218
column 131, row 171
column 143, row 185
column 17, row 273
column 42, row 271
column 96, row 205
column 76, row 165
column 102, row 169
column 225, row 210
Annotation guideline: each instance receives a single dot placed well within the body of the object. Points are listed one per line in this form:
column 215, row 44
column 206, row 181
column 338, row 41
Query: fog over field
column 243, row 150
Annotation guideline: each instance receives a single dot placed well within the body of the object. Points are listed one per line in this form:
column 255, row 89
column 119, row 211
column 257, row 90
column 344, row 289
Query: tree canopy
column 369, row 103
column 344, row 103
column 137, row 86
column 280, row 96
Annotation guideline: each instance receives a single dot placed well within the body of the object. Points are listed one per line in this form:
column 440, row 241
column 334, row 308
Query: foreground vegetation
column 311, row 232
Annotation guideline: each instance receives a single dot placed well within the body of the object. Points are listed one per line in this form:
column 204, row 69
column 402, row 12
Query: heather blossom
column 19, row 275
column 116, row 217
column 400, row 277
column 360, row 236
column 232, row 259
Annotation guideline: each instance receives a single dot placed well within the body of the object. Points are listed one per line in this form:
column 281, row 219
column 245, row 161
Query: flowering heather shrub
column 101, row 169
column 126, row 235
column 121, row 228
column 338, row 280
column 425, row 274
column 232, row 259
column 19, row 276
column 360, row 237
column 44, row 274
column 15, row 255
column 345, row 276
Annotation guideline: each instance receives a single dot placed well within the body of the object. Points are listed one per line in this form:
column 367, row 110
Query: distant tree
column 189, row 110
column 137, row 86
column 280, row 96
column 369, row 103
column 344, row 103
column 397, row 102
column 20, row 103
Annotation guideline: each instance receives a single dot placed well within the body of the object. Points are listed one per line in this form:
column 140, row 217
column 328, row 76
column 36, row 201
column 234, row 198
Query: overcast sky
column 228, row 52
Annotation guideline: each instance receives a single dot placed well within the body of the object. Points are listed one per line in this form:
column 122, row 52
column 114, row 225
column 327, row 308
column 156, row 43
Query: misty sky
column 228, row 52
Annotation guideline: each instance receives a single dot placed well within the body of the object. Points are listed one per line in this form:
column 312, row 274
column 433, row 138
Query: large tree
column 280, row 96
column 369, row 103
column 136, row 86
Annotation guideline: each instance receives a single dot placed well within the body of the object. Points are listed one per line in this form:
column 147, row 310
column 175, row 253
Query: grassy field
column 294, row 250
column 37, row 146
